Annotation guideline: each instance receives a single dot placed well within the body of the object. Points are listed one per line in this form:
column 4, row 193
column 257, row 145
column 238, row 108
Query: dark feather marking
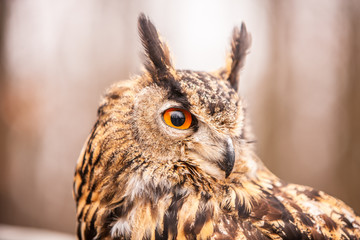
column 115, row 154
column 83, row 182
column 230, row 224
column 211, row 108
column 89, row 144
column 88, row 149
column 295, row 206
column 100, row 110
column 92, row 135
column 198, row 78
column 174, row 92
column 227, row 206
column 348, row 224
column 316, row 235
column 203, row 214
column 201, row 218
column 96, row 160
column 116, row 92
column 201, row 93
column 90, row 233
column 260, row 209
column 113, row 96
column 147, row 236
column 291, row 231
column 87, row 229
column 108, row 197
column 116, row 204
column 118, row 238
column 74, row 190
column 112, row 136
column 189, row 229
column 171, row 215
column 111, row 216
column 306, row 219
column 91, row 156
column 271, row 209
column 278, row 210
column 125, row 166
column 88, row 198
column 241, row 41
column 139, row 164
column 79, row 191
column 78, row 230
column 348, row 236
column 312, row 194
column 243, row 212
column 251, row 232
column 194, row 124
column 108, row 218
column 203, row 79
column 159, row 192
column 108, row 119
column 329, row 222
column 91, row 175
column 84, row 155
column 158, row 235
column 80, row 215
column 155, row 49
column 123, row 209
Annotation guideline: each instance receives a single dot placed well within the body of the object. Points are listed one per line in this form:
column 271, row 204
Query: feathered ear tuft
column 241, row 41
column 159, row 62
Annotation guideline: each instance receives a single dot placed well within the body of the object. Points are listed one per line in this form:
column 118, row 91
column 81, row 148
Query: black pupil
column 177, row 118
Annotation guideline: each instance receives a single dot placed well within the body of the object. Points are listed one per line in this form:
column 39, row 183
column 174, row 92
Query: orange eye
column 177, row 118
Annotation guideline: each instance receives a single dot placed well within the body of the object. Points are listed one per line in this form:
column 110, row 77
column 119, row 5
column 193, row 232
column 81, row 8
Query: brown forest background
column 301, row 82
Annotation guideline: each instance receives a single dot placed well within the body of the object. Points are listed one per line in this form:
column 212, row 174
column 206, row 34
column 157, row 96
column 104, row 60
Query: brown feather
column 138, row 178
column 241, row 41
column 159, row 61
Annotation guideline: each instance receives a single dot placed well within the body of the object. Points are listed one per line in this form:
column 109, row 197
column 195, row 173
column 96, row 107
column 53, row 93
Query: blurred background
column 301, row 82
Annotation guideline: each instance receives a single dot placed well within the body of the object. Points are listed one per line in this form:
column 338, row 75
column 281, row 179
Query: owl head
column 182, row 116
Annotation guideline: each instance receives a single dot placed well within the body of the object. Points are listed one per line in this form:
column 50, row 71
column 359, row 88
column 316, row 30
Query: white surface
column 8, row 232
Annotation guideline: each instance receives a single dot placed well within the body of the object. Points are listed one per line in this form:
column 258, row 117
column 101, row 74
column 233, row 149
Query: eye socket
column 177, row 118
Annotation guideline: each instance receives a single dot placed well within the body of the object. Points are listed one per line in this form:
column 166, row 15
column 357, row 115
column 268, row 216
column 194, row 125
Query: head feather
column 241, row 41
column 159, row 62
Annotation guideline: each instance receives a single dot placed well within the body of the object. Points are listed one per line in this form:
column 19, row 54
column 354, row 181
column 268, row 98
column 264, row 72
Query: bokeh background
column 301, row 82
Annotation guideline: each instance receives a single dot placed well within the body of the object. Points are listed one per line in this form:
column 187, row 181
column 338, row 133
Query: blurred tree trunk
column 275, row 87
column 349, row 122
column 3, row 127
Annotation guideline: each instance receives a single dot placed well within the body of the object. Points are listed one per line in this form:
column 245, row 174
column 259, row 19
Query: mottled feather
column 139, row 178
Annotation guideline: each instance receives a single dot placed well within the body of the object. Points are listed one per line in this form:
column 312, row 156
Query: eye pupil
column 177, row 118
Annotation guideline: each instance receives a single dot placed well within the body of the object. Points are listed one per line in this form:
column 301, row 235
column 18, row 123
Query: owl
column 171, row 156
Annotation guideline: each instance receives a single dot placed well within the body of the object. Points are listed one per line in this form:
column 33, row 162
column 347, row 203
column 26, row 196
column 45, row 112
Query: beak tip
column 229, row 158
column 227, row 174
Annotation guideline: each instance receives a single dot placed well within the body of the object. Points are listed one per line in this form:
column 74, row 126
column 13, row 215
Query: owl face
column 168, row 158
column 184, row 115
column 197, row 124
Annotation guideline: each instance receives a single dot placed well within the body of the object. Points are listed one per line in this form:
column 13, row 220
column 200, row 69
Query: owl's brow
column 174, row 91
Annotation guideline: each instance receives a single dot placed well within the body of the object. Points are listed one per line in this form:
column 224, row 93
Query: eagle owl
column 171, row 157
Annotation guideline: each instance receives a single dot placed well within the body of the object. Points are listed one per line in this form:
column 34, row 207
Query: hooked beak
column 227, row 164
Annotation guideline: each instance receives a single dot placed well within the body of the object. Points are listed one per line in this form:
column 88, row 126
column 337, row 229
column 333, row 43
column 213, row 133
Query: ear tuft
column 241, row 41
column 157, row 52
